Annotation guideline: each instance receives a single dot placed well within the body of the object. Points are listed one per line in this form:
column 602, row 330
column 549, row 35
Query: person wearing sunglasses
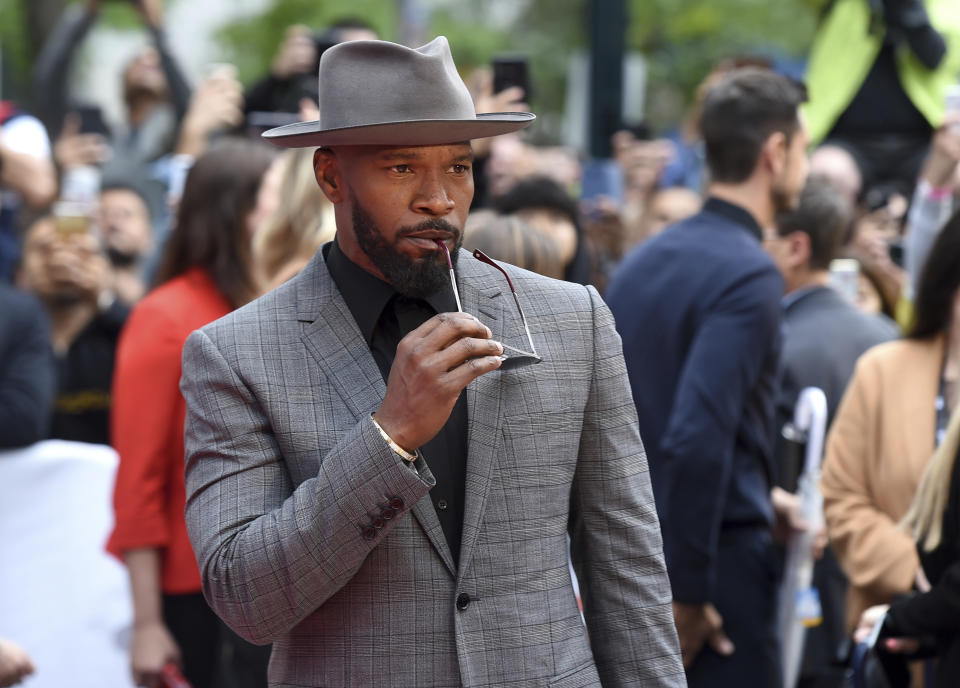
column 386, row 456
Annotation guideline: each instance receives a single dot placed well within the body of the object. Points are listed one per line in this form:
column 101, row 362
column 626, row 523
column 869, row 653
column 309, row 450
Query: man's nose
column 433, row 198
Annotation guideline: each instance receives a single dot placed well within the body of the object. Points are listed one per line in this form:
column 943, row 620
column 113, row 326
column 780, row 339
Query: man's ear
column 798, row 249
column 774, row 153
column 326, row 169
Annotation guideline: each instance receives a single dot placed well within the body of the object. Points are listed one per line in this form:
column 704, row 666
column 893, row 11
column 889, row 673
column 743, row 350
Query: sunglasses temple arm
column 456, row 292
column 523, row 318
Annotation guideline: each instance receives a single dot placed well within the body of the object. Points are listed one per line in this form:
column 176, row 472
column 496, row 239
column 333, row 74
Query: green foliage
column 16, row 48
column 682, row 39
column 251, row 43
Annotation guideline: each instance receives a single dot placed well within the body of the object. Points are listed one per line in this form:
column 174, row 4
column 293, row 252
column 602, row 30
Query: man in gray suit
column 824, row 335
column 385, row 455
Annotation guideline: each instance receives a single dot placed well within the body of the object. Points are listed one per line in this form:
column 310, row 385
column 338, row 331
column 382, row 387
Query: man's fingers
column 721, row 644
column 444, row 328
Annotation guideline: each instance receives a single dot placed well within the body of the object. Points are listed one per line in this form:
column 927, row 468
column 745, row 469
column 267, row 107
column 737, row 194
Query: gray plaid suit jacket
column 285, row 473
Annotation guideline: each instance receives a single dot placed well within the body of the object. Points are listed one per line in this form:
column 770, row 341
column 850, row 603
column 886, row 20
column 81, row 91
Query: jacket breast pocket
column 540, row 450
column 584, row 676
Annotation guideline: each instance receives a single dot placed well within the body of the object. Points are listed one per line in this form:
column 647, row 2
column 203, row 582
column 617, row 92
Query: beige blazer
column 878, row 446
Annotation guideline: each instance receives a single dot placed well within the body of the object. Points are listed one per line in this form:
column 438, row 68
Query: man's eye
column 401, row 169
column 461, row 169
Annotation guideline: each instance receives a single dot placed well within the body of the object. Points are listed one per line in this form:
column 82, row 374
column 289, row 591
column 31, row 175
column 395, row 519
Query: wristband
column 404, row 454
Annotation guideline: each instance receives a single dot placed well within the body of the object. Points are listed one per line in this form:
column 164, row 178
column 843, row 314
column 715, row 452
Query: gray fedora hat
column 381, row 93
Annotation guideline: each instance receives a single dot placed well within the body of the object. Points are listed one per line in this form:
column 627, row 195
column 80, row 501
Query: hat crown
column 374, row 82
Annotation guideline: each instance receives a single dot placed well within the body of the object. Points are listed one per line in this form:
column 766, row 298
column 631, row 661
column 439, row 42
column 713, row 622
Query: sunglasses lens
column 511, row 361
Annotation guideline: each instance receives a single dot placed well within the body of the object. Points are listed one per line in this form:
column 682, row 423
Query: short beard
column 783, row 200
column 413, row 277
column 122, row 260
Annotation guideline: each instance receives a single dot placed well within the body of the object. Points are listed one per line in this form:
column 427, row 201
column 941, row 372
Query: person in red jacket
column 205, row 274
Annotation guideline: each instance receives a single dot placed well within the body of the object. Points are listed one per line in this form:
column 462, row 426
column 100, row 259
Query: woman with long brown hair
column 205, row 273
column 934, row 523
column 892, row 417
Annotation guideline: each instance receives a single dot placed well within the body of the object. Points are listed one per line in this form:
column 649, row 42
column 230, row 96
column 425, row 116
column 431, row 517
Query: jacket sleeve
column 936, row 612
column 616, row 546
column 269, row 554
column 875, row 554
column 176, row 81
column 738, row 335
column 144, row 424
column 51, row 74
column 27, row 372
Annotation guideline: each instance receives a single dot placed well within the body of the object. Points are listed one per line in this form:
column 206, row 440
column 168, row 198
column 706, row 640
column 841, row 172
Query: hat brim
column 413, row 133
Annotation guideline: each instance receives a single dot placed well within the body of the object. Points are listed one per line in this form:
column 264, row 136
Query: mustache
column 438, row 224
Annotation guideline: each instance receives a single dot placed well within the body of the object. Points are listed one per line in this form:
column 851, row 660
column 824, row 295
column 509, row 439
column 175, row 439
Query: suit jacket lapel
column 483, row 296
column 332, row 337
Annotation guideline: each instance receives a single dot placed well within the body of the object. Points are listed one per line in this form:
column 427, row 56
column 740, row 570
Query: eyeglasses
column 511, row 357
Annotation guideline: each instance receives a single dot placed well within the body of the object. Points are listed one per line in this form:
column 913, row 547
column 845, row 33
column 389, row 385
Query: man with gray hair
column 385, row 456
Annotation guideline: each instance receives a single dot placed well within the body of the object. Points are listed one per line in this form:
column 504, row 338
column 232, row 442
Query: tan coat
column 880, row 442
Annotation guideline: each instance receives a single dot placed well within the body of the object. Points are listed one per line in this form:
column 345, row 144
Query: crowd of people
column 783, row 236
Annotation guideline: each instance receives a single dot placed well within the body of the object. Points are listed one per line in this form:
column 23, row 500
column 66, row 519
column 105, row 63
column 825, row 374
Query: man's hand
column 79, row 264
column 698, row 624
column 940, row 168
column 297, row 53
column 432, row 366
column 73, row 149
column 789, row 520
column 152, row 11
column 216, row 104
column 15, row 665
column 151, row 649
column 485, row 100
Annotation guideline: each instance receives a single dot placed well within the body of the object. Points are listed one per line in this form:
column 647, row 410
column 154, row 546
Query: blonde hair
column 507, row 238
column 925, row 518
column 300, row 224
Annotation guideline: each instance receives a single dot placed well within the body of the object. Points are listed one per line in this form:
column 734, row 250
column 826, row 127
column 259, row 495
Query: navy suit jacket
column 698, row 309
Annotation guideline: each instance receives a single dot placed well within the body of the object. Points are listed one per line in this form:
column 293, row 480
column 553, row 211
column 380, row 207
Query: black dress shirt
column 384, row 318
column 81, row 411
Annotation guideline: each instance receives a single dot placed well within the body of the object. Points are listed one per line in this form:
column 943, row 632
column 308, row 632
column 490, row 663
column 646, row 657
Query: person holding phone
column 155, row 91
column 932, row 611
column 63, row 263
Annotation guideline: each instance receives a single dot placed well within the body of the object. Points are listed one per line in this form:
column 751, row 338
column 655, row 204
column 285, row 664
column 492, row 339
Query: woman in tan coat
column 884, row 433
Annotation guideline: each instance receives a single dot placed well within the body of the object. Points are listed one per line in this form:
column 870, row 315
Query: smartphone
column 952, row 102
column 91, row 120
column 895, row 250
column 845, row 277
column 512, row 70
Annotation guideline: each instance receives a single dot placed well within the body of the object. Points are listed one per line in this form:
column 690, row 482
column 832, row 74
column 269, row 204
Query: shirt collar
column 797, row 294
column 734, row 213
column 367, row 295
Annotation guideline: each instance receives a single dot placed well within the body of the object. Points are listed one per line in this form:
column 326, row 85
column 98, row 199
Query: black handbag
column 872, row 667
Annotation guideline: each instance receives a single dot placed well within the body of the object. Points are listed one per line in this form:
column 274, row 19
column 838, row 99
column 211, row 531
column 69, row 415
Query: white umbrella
column 799, row 606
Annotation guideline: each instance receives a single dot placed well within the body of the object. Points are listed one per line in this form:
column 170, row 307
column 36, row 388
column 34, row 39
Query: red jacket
column 146, row 424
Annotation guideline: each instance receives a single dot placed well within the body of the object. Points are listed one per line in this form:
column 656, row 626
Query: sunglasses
column 511, row 357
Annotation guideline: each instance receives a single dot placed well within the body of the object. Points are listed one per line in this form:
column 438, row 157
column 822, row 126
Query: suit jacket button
column 463, row 601
column 396, row 504
column 442, row 505
column 369, row 533
column 387, row 514
column 378, row 523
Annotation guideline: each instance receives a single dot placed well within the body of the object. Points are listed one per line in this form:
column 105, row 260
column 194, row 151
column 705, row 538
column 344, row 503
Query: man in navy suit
column 698, row 309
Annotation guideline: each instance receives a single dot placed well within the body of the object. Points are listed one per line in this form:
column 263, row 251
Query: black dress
column 936, row 613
